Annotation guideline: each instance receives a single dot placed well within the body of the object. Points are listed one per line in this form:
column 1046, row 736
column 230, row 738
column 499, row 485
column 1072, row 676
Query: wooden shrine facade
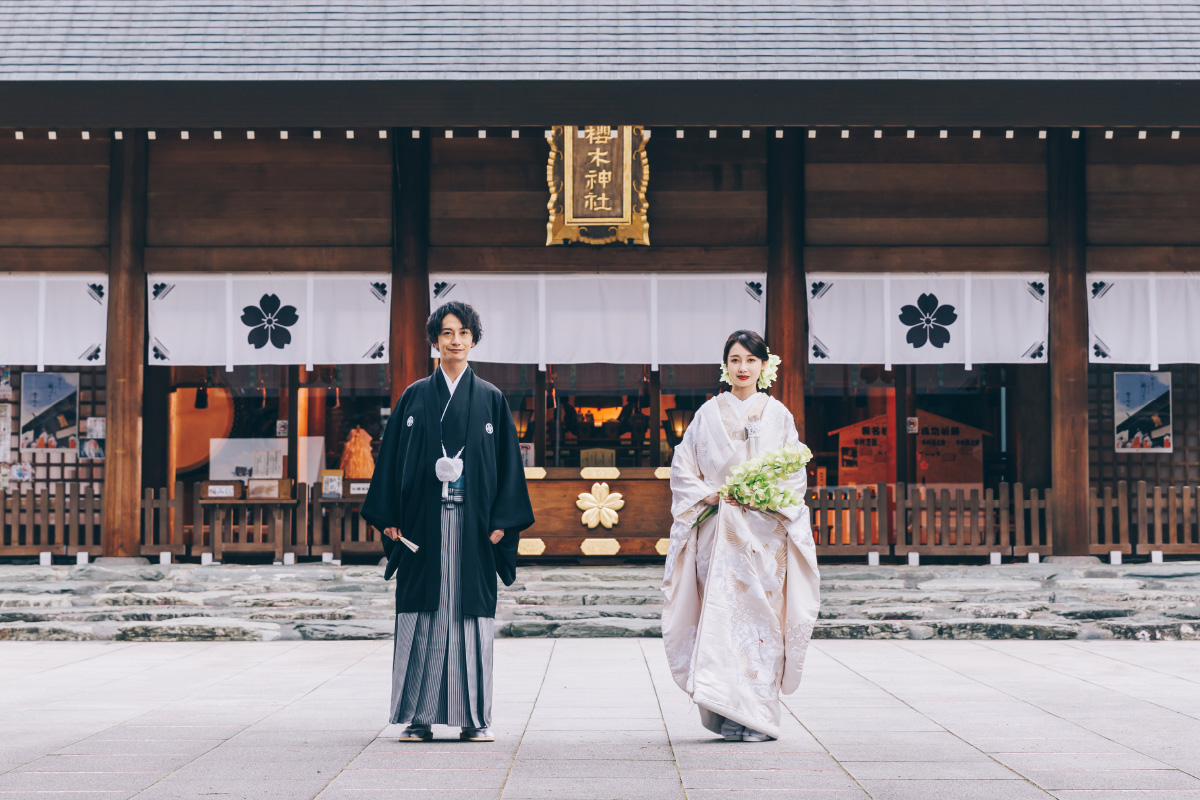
column 731, row 198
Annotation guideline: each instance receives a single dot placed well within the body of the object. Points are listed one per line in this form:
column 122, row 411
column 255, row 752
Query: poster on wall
column 865, row 452
column 949, row 453
column 6, row 390
column 49, row 412
column 1142, row 412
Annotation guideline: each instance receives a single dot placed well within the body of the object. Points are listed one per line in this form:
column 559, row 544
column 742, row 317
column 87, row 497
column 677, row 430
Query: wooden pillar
column 410, row 265
column 1068, row 342
column 126, row 344
column 787, row 309
column 293, row 428
column 655, row 434
column 540, row 399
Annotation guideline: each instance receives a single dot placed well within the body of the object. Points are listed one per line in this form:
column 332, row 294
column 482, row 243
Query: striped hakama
column 442, row 666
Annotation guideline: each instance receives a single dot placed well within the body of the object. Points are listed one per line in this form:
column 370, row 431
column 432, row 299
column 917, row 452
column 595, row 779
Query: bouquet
column 755, row 482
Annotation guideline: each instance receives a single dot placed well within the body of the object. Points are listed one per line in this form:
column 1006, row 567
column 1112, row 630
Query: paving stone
column 35, row 601
column 359, row 629
column 161, row 599
column 46, row 632
column 860, row 629
column 1096, row 612
column 280, row 600
column 197, row 629
column 117, row 573
column 1148, row 631
column 1003, row 629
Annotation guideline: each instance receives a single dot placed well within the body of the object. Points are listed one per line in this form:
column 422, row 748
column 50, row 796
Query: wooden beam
column 583, row 258
column 490, row 102
column 787, row 309
column 268, row 259
column 54, row 259
column 410, row 266
column 126, row 345
column 1068, row 357
column 1144, row 259
column 926, row 259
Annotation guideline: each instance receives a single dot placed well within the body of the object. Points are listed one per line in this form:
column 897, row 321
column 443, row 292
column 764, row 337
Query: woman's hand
column 496, row 536
column 734, row 502
column 712, row 499
column 392, row 533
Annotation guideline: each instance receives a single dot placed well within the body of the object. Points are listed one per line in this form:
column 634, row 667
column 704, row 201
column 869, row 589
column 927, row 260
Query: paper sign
column 95, row 427
column 359, row 487
column 331, row 486
column 268, row 464
column 222, row 490
column 281, row 427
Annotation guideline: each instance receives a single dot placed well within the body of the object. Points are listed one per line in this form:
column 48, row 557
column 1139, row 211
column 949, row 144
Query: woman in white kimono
column 742, row 588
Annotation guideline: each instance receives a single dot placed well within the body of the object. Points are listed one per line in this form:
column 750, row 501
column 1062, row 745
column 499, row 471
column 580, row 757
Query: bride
column 742, row 588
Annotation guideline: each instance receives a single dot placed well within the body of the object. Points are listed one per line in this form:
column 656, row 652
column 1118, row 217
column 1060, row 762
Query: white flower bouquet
column 755, row 482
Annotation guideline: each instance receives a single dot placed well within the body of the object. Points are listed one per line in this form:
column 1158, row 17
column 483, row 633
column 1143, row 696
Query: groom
column 449, row 495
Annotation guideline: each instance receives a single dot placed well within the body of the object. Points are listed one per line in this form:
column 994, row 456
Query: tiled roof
column 566, row 39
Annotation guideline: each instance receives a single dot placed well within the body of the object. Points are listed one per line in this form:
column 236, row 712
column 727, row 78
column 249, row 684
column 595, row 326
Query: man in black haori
column 449, row 494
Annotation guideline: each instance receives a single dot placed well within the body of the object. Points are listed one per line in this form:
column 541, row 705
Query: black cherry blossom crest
column 928, row 321
column 269, row 322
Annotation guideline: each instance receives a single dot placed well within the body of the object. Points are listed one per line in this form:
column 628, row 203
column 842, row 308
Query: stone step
column 580, row 628
column 320, row 601
column 586, row 597
column 529, row 612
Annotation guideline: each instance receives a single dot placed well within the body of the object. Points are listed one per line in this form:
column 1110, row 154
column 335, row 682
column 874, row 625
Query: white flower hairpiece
column 770, row 371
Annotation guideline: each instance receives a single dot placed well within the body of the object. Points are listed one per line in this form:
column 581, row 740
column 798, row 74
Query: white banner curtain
column 1143, row 318
column 928, row 318
column 268, row 318
column 582, row 318
column 56, row 319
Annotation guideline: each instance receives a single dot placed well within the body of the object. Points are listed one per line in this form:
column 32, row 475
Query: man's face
column 455, row 341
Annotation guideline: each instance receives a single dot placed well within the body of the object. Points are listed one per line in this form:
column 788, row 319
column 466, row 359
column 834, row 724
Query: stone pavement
column 601, row 718
column 188, row 602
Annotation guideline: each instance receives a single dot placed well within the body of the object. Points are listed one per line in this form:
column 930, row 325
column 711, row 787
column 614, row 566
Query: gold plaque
column 600, row 506
column 535, row 473
column 599, row 473
column 597, row 175
column 531, row 547
column 662, row 473
column 600, row 547
column 661, row 546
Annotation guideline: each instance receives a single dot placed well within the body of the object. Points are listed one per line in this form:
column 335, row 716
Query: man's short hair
column 467, row 315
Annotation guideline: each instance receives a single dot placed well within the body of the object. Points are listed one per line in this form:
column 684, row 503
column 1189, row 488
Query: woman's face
column 743, row 366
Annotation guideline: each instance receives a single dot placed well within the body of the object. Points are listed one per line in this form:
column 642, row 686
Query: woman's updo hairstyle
column 749, row 340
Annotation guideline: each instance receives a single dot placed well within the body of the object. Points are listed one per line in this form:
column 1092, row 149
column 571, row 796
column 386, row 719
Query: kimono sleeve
column 511, row 510
column 688, row 487
column 382, row 507
column 797, row 482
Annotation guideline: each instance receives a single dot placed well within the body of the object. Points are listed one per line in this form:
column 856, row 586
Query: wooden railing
column 337, row 527
column 849, row 520
column 1165, row 518
column 846, row 520
column 229, row 525
column 1109, row 520
column 1009, row 521
column 61, row 523
column 162, row 522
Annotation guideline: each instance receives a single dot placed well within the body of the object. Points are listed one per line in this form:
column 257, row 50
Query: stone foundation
column 185, row 602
